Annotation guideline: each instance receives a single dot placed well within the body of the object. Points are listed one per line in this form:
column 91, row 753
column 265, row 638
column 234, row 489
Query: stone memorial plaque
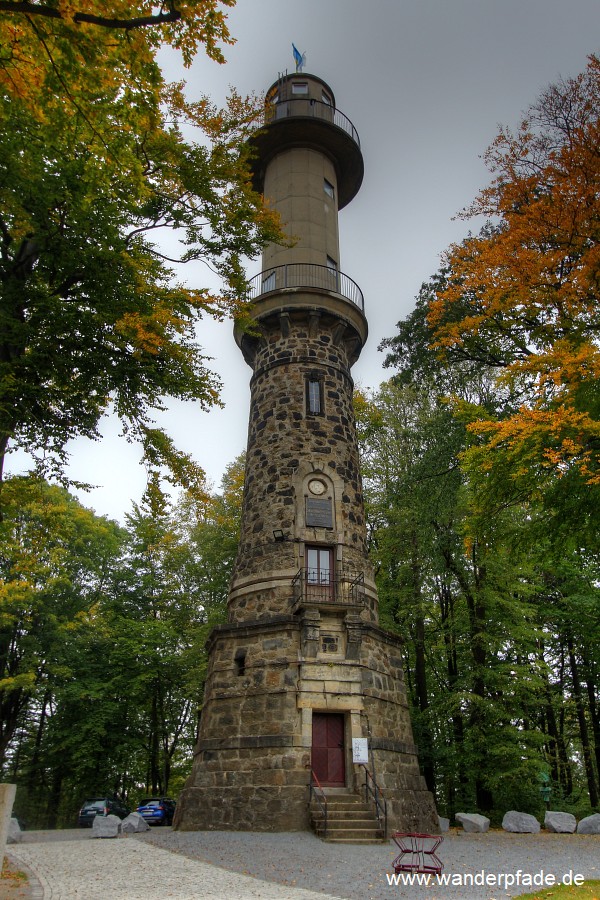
column 319, row 513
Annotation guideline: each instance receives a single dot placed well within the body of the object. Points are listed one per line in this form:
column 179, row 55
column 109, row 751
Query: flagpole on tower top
column 299, row 58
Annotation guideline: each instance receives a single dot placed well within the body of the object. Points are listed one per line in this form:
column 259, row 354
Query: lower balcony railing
column 314, row 586
column 305, row 275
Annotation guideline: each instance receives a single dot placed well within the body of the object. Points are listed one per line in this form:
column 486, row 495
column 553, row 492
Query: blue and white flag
column 299, row 58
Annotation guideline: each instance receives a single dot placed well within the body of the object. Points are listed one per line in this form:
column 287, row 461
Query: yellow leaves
column 65, row 57
column 23, row 682
column 557, row 440
column 202, row 22
column 98, row 167
column 68, row 9
column 150, row 333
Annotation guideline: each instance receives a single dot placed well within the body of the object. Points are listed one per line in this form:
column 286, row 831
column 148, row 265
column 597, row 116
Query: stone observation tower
column 302, row 667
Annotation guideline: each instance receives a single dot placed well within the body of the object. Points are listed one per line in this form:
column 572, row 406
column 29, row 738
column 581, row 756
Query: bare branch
column 34, row 9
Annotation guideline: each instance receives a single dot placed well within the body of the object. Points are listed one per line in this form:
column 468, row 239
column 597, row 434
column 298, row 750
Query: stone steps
column 349, row 820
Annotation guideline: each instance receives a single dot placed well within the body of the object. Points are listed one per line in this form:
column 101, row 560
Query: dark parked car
column 101, row 806
column 157, row 810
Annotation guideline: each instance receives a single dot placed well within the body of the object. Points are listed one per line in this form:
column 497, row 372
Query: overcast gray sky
column 426, row 83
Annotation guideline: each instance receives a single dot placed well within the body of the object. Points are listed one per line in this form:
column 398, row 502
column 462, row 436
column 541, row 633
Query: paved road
column 71, row 865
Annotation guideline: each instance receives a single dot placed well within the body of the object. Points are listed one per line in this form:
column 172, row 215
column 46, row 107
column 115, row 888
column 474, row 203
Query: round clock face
column 316, row 487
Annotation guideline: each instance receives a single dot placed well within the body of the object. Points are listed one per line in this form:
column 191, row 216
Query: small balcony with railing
column 308, row 122
column 305, row 275
column 294, row 107
column 315, row 587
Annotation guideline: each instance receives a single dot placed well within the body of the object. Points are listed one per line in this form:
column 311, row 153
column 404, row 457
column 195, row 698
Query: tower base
column 287, row 696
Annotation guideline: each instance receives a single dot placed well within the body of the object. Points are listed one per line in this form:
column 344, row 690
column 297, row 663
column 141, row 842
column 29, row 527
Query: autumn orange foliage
column 527, row 287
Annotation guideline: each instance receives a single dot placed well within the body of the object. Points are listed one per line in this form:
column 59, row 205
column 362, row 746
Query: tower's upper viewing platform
column 308, row 164
column 300, row 111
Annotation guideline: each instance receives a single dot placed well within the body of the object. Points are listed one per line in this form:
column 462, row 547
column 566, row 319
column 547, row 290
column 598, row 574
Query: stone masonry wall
column 252, row 761
column 250, row 768
column 410, row 805
column 282, row 436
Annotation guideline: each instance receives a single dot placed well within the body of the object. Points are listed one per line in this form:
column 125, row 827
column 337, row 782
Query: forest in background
column 102, row 633
column 481, row 467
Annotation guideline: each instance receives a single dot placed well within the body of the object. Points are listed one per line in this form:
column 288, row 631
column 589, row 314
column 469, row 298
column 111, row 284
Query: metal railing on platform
column 318, row 586
column 305, row 275
column 314, row 109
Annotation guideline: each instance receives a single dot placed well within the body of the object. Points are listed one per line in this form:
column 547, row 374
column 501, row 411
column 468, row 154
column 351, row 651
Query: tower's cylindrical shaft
column 301, row 184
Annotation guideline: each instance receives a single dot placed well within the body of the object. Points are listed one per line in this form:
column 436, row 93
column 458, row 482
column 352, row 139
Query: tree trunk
column 583, row 729
column 590, row 681
column 423, row 700
column 155, row 773
column 421, row 670
column 446, row 599
column 54, row 798
column 34, row 767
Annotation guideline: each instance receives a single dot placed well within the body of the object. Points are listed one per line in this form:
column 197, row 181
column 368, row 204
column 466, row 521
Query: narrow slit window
column 314, row 396
column 332, row 274
column 240, row 662
column 328, row 188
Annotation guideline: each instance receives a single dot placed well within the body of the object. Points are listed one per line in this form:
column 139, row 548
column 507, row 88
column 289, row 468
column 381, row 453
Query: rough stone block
column 444, row 824
column 473, row 823
column 134, row 824
column 560, row 822
column 106, row 827
column 520, row 823
column 7, row 798
column 14, row 832
column 589, row 825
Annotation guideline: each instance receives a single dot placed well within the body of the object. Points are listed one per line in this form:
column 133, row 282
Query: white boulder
column 134, row 824
column 14, row 832
column 589, row 825
column 520, row 823
column 106, row 826
column 473, row 822
column 560, row 822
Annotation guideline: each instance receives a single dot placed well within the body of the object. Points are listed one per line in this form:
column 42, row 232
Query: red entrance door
column 328, row 749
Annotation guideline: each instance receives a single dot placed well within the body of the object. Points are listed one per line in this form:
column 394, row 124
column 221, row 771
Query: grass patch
column 11, row 874
column 589, row 890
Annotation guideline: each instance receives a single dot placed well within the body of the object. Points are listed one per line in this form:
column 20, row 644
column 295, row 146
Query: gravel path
column 358, row 872
column 163, row 864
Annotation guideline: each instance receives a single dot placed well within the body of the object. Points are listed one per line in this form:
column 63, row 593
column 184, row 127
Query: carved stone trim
column 393, row 746
column 250, row 742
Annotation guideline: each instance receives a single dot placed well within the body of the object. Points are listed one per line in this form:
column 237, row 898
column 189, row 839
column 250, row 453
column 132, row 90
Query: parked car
column 157, row 810
column 101, row 806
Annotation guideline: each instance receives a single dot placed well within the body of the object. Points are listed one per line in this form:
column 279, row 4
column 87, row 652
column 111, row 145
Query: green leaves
column 94, row 168
column 102, row 634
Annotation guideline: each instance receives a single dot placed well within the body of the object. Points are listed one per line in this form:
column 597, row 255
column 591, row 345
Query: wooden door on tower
column 328, row 758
